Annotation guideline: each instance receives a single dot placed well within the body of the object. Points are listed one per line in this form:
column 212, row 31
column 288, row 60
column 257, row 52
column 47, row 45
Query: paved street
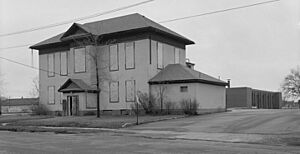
column 240, row 131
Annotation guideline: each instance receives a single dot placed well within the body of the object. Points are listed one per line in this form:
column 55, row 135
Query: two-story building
column 128, row 52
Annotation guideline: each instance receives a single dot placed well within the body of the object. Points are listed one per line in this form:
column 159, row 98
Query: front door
column 73, row 105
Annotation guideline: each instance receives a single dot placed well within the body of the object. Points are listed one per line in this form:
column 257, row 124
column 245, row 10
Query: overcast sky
column 254, row 47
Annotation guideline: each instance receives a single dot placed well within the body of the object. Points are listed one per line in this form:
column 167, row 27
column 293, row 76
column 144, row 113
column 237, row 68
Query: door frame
column 71, row 101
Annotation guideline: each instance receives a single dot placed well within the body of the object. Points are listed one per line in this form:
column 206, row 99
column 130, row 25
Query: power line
column 186, row 17
column 17, row 46
column 26, row 65
column 218, row 11
column 74, row 20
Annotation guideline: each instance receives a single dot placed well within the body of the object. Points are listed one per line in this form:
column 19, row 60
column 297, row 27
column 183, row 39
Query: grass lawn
column 105, row 121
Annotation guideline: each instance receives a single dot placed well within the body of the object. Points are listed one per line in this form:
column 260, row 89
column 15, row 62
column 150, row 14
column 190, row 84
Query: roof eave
column 43, row 46
column 188, row 81
column 64, row 40
column 185, row 40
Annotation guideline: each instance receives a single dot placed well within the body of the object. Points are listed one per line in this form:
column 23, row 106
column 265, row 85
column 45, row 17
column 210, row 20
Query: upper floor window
column 113, row 58
column 50, row 65
column 176, row 56
column 79, row 60
column 129, row 55
column 159, row 55
column 63, row 63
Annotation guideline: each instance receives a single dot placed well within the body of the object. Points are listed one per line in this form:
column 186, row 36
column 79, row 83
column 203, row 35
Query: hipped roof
column 178, row 73
column 132, row 22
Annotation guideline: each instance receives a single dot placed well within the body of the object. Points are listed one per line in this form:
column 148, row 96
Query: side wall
column 171, row 93
column 209, row 97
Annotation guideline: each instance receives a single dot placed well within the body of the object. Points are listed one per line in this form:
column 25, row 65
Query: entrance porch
column 78, row 97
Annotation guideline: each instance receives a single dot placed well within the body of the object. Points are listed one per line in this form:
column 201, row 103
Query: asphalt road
column 240, row 131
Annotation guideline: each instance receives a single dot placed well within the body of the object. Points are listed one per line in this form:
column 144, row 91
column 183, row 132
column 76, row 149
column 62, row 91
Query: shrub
column 169, row 106
column 147, row 102
column 40, row 110
column 134, row 109
column 189, row 107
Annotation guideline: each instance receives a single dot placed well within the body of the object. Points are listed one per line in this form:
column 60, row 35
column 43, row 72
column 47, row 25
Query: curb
column 146, row 122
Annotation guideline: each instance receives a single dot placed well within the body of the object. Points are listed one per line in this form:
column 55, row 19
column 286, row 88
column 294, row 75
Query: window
column 153, row 51
column 183, row 88
column 113, row 58
column 130, row 90
column 51, row 95
column 63, row 63
column 114, row 92
column 50, row 65
column 159, row 55
column 61, row 96
column 176, row 56
column 79, row 60
column 129, row 55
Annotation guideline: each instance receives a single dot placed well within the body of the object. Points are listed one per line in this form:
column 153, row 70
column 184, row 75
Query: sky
column 254, row 47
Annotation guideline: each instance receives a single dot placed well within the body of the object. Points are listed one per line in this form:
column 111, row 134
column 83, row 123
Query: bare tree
column 291, row 85
column 161, row 95
column 98, row 59
column 35, row 91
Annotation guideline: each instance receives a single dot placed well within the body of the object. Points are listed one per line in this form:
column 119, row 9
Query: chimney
column 189, row 64
column 228, row 83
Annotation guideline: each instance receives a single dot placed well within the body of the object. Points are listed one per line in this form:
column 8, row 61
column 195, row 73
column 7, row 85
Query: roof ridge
column 111, row 18
column 186, row 69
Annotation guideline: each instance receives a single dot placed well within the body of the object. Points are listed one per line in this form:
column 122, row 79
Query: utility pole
column 137, row 102
column 98, row 89
column 137, row 114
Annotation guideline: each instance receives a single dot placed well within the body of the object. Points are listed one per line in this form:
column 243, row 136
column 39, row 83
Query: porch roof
column 76, row 85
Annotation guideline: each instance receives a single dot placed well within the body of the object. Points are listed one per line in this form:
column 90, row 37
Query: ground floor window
column 183, row 88
column 51, row 95
column 114, row 92
column 130, row 90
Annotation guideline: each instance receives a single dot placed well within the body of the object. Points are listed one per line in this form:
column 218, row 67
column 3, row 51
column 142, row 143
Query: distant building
column 18, row 105
column 245, row 97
